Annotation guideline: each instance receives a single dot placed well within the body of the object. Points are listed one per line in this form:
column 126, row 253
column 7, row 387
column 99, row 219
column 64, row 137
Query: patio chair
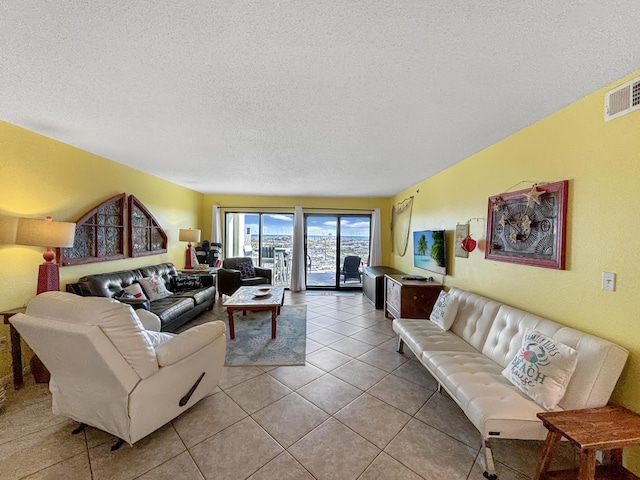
column 351, row 268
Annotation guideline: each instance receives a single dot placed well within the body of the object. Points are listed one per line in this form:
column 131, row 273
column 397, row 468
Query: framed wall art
column 529, row 226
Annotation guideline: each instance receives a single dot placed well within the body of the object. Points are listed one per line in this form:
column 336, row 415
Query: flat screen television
column 429, row 252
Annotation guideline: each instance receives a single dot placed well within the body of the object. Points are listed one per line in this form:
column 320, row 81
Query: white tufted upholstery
column 467, row 361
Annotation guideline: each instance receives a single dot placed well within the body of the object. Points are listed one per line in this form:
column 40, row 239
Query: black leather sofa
column 174, row 311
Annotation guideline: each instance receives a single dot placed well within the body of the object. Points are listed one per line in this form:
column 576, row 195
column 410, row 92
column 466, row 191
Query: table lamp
column 46, row 233
column 190, row 235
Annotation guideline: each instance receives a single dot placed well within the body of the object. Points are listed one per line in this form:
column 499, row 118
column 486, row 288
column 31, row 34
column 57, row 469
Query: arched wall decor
column 146, row 236
column 400, row 223
column 100, row 235
column 104, row 233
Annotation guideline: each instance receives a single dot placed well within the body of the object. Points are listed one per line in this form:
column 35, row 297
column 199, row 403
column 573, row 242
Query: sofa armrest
column 228, row 280
column 264, row 272
column 136, row 303
column 149, row 320
column 189, row 342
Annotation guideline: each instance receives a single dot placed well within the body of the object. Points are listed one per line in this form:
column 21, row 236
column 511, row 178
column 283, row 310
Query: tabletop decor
column 529, row 226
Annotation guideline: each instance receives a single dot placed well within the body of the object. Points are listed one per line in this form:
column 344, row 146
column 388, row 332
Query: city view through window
column 268, row 239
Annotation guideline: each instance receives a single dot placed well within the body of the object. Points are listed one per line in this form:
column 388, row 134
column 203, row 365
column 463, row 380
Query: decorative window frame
column 146, row 236
column 117, row 228
column 100, row 235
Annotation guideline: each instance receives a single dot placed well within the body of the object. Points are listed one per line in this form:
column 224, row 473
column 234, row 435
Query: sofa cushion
column 474, row 317
column 154, row 287
column 542, row 368
column 444, row 310
column 135, row 289
column 247, row 269
column 423, row 336
column 199, row 296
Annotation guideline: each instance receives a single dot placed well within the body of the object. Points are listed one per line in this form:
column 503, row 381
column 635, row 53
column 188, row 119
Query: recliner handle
column 184, row 400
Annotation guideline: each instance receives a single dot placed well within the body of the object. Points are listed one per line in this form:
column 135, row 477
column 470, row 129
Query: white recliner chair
column 110, row 372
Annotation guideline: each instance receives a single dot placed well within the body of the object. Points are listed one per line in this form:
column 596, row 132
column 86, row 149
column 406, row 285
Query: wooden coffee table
column 253, row 300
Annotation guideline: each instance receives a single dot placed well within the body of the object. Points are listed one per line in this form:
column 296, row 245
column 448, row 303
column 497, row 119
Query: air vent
column 622, row 100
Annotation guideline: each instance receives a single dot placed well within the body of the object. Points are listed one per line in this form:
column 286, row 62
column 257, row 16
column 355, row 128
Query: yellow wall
column 332, row 205
column 601, row 160
column 40, row 177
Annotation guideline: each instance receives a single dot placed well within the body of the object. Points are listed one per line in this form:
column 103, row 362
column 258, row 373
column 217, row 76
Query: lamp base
column 191, row 261
column 48, row 278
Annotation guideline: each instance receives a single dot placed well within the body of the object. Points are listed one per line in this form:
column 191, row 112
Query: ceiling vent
column 622, row 100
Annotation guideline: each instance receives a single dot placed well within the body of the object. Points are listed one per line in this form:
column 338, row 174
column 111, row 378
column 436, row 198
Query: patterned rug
column 253, row 344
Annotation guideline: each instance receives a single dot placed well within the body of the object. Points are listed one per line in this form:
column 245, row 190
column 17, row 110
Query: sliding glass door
column 337, row 248
column 265, row 237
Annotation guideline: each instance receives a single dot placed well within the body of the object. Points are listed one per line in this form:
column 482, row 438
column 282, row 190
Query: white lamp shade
column 45, row 233
column 189, row 235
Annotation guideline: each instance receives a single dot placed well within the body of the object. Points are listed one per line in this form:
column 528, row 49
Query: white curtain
column 298, row 283
column 375, row 250
column 216, row 230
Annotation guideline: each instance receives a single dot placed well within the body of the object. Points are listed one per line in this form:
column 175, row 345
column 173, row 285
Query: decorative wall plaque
column 529, row 226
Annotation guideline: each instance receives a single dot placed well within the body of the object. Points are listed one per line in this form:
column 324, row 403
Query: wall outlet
column 608, row 281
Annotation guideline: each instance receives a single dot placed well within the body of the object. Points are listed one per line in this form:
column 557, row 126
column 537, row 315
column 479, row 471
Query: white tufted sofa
column 467, row 361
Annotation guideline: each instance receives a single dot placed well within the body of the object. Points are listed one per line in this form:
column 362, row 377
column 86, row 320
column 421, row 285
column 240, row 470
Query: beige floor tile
column 325, row 336
column 415, row 372
column 383, row 359
column 38, row 450
column 235, row 453
column 364, row 321
column 401, row 393
column 374, row 419
column 206, row 418
column 296, row 376
column 323, row 321
column 386, row 468
column 329, row 393
column 430, row 453
column 257, row 392
column 332, row 451
column 234, row 375
column 132, row 461
column 503, row 472
column 522, row 455
column 24, row 417
column 359, row 374
column 371, row 337
column 351, row 346
column 345, row 328
column 290, row 418
column 75, row 468
column 444, row 414
column 182, row 467
column 313, row 346
column 327, row 359
column 384, row 327
column 283, row 467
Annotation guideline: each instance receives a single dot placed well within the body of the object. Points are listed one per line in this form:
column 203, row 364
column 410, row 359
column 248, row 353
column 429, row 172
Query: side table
column 589, row 430
column 16, row 347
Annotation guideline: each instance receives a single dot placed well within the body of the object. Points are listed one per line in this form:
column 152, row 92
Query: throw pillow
column 445, row 310
column 136, row 290
column 247, row 269
column 180, row 283
column 154, row 287
column 542, row 368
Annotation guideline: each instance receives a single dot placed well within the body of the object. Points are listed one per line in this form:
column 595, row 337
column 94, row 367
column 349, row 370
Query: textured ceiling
column 310, row 98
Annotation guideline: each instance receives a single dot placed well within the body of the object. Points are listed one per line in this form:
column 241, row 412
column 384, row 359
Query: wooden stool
column 590, row 430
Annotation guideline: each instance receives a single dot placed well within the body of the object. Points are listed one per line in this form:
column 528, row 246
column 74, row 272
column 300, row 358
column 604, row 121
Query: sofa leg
column 490, row 472
column 400, row 345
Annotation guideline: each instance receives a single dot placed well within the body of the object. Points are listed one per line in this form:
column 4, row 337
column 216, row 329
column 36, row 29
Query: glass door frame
column 338, row 255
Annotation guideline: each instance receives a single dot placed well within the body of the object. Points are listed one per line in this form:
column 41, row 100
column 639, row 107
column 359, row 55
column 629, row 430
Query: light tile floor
column 355, row 410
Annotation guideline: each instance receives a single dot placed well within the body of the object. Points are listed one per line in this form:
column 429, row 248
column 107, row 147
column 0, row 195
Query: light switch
column 608, row 281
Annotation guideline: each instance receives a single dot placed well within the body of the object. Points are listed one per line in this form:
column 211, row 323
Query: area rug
column 253, row 344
